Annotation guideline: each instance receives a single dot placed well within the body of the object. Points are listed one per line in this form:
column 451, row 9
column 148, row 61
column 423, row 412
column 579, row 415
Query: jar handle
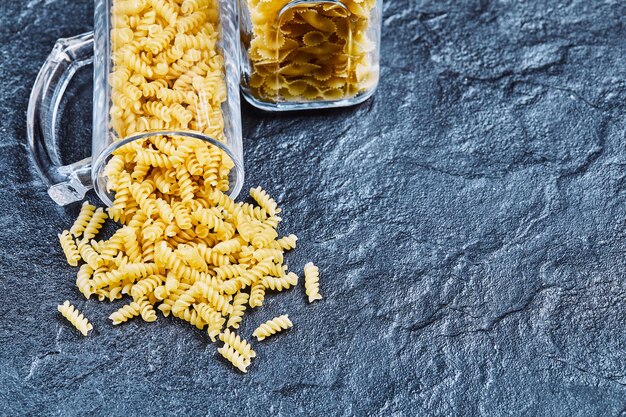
column 66, row 183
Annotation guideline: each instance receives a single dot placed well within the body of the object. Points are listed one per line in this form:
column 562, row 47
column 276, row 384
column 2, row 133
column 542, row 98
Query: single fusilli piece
column 264, row 200
column 239, row 306
column 234, row 357
column 95, row 224
column 75, row 317
column 145, row 309
column 311, row 282
column 83, row 280
column 89, row 255
column 86, row 211
column 125, row 313
column 233, row 340
column 280, row 283
column 69, row 248
column 272, row 326
column 287, row 242
column 257, row 294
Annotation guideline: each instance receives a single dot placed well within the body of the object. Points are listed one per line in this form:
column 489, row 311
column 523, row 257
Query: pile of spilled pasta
column 184, row 247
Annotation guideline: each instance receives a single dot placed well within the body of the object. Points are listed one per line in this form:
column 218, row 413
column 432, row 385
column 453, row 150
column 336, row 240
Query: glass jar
column 165, row 73
column 303, row 54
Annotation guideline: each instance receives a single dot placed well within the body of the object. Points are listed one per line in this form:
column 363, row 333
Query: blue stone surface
column 469, row 222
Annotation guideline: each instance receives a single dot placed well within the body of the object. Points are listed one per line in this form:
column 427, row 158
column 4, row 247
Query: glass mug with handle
column 308, row 54
column 164, row 74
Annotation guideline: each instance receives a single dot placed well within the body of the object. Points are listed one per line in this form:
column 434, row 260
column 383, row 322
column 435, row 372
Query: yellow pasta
column 145, row 310
column 241, row 346
column 285, row 243
column 264, row 200
column 184, row 247
column 69, row 248
column 146, row 286
column 89, row 255
column 311, row 282
column 257, row 294
column 239, row 307
column 234, row 357
column 300, row 54
column 280, row 283
column 75, row 317
column 273, row 326
column 86, row 211
column 83, row 282
column 212, row 317
column 95, row 224
column 125, row 313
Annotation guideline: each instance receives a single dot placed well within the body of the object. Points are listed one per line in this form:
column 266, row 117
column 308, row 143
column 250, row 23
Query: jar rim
column 236, row 175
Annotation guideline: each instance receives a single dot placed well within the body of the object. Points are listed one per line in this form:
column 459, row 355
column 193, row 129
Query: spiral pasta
column 95, row 224
column 69, row 248
column 125, row 313
column 146, row 310
column 273, row 326
column 89, row 255
column 83, row 280
column 234, row 357
column 264, row 200
column 239, row 307
column 241, row 346
column 311, row 282
column 75, row 317
column 86, row 211
column 257, row 294
column 185, row 248
column 310, row 52
column 146, row 286
column 285, row 243
column 280, row 283
column 212, row 317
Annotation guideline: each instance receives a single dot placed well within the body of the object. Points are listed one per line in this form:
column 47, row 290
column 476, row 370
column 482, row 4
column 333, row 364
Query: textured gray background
column 469, row 222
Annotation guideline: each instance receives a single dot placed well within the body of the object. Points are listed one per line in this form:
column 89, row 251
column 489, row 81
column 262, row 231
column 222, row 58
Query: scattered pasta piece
column 311, row 282
column 239, row 306
column 75, row 317
column 69, row 248
column 241, row 346
column 125, row 313
column 234, row 357
column 273, row 326
column 95, row 224
column 86, row 211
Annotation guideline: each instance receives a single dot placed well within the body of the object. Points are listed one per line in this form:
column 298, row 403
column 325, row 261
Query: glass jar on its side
column 304, row 54
column 165, row 90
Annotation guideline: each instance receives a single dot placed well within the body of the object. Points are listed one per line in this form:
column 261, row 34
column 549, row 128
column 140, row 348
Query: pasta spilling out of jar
column 184, row 248
column 205, row 261
column 310, row 51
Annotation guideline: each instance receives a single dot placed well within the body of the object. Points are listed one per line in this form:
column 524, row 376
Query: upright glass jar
column 165, row 76
column 302, row 54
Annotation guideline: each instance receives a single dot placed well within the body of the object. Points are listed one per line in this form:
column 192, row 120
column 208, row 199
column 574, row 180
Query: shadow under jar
column 303, row 54
column 166, row 116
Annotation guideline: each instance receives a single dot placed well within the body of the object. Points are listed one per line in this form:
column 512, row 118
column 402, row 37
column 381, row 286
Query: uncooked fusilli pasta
column 311, row 282
column 310, row 52
column 185, row 248
column 273, row 326
column 75, row 317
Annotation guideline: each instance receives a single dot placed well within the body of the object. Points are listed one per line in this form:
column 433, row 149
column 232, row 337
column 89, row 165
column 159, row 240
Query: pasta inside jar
column 172, row 116
column 300, row 54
